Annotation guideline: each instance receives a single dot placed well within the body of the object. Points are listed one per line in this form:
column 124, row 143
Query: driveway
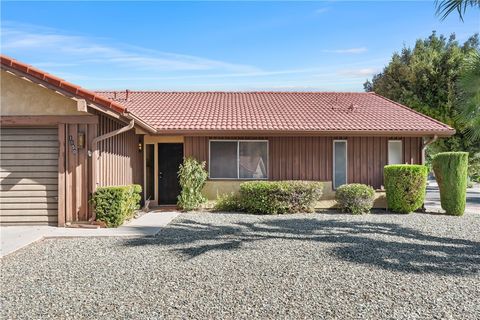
column 237, row 266
column 432, row 199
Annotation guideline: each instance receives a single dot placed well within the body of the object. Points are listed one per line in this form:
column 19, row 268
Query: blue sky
column 329, row 46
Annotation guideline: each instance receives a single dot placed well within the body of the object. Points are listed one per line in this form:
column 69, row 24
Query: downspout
column 95, row 156
column 426, row 144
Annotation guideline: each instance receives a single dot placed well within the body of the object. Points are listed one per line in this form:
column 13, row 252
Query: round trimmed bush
column 355, row 198
column 405, row 186
column 451, row 173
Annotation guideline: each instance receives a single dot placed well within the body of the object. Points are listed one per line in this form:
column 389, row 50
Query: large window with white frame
column 238, row 159
column 339, row 163
column 395, row 152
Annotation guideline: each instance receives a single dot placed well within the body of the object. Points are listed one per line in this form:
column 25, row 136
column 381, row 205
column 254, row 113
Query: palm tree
column 445, row 7
column 469, row 86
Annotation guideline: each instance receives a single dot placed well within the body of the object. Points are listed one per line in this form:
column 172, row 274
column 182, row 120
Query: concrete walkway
column 14, row 238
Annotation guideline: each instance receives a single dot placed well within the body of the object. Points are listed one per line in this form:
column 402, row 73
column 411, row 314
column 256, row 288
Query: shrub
column 451, row 173
column 279, row 197
column 355, row 198
column 405, row 186
column 115, row 204
column 229, row 202
column 192, row 175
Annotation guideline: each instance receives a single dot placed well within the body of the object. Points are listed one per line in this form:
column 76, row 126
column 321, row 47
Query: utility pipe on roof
column 94, row 153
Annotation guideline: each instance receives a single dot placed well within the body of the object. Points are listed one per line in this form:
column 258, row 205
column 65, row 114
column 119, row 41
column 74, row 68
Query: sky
column 219, row 46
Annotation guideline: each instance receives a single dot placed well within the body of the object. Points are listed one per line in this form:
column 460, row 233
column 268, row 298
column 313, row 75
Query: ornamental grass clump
column 279, row 197
column 405, row 186
column 113, row 205
column 355, row 198
column 451, row 173
column 192, row 176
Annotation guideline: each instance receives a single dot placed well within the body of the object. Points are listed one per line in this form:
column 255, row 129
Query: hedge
column 451, row 173
column 279, row 197
column 405, row 186
column 113, row 205
column 355, row 198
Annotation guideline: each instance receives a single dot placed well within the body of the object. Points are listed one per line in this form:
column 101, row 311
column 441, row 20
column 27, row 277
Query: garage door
column 28, row 175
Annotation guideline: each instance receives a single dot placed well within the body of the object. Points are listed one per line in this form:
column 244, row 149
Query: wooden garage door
column 28, row 175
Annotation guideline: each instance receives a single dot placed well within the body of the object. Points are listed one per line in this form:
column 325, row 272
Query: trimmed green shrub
column 405, row 186
column 451, row 173
column 279, row 197
column 228, row 202
column 192, row 175
column 113, row 205
column 355, row 198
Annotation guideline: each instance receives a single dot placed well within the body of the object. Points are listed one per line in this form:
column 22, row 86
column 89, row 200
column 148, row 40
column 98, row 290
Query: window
column 395, row 152
column 238, row 159
column 339, row 163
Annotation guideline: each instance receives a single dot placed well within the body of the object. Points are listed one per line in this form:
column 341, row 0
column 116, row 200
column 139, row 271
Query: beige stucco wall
column 214, row 188
column 20, row 97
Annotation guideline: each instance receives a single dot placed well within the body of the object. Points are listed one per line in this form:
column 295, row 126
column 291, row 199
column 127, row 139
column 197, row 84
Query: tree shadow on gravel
column 383, row 245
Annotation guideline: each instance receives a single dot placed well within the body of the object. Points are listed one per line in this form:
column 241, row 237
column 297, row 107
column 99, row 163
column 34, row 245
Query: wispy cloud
column 321, row 10
column 347, row 51
column 363, row 72
column 71, row 49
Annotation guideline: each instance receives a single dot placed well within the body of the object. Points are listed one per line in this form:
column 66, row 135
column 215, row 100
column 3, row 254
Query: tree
column 426, row 78
column 445, row 7
column 469, row 97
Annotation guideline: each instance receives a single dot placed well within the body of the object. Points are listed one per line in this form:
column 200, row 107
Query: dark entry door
column 170, row 156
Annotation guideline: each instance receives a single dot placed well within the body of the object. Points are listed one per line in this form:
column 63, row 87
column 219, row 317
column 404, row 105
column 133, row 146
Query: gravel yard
column 234, row 266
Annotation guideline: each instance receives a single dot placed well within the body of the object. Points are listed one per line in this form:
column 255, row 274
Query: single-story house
column 59, row 142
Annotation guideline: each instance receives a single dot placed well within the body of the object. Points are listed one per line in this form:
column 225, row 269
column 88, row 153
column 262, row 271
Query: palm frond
column 446, row 7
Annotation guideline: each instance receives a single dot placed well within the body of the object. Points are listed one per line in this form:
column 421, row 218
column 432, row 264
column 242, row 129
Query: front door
column 170, row 156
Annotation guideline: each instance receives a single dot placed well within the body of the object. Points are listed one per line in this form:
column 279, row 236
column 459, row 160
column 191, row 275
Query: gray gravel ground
column 233, row 266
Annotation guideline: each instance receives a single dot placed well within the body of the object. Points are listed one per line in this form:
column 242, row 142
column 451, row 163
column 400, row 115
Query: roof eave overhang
column 331, row 133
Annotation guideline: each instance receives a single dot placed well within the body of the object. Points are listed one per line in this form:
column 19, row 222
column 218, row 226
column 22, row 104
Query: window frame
column 238, row 141
column 346, row 161
column 401, row 150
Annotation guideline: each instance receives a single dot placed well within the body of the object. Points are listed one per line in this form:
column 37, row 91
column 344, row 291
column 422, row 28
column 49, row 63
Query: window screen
column 395, row 152
column 253, row 159
column 238, row 159
column 223, row 159
column 339, row 163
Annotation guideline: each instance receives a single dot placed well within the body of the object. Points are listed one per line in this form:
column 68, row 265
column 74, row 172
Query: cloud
column 358, row 73
column 321, row 10
column 348, row 51
column 80, row 50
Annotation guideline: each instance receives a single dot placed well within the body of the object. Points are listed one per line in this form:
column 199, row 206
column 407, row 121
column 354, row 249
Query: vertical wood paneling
column 311, row 158
column 120, row 161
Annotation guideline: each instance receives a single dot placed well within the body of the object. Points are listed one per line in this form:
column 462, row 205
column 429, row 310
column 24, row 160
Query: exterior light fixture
column 81, row 140
column 140, row 146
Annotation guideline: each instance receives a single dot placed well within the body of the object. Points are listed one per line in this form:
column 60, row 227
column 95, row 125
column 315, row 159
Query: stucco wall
column 20, row 97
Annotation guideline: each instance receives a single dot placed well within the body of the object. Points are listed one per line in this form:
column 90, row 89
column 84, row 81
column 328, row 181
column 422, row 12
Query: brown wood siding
column 310, row 158
column 120, row 161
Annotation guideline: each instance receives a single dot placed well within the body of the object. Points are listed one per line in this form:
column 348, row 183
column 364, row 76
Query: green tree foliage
column 451, row 172
column 192, row 175
column 355, row 198
column 469, row 97
column 425, row 78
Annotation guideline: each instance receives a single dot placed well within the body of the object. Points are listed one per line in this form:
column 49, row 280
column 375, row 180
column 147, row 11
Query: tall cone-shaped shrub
column 451, row 173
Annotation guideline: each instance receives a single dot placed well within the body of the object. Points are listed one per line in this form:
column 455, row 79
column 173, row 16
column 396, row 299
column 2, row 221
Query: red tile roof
column 276, row 112
column 62, row 84
column 255, row 112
